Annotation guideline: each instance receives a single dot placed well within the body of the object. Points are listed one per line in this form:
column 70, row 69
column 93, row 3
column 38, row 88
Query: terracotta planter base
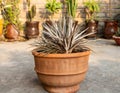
column 30, row 37
column 61, row 83
column 70, row 89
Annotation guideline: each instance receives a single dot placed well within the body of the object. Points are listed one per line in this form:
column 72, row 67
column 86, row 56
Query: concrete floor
column 18, row 76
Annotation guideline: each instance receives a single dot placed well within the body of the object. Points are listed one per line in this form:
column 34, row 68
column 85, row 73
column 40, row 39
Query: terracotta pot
column 32, row 29
column 61, row 73
column 111, row 26
column 93, row 27
column 117, row 39
column 11, row 32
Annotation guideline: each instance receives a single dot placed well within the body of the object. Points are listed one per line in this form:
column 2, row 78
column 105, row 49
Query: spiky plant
column 31, row 11
column 64, row 36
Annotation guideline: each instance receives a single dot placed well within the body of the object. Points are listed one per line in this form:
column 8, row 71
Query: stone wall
column 107, row 10
column 106, row 6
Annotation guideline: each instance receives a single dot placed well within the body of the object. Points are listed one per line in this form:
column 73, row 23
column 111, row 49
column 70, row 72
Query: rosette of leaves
column 53, row 6
column 31, row 11
column 72, row 7
column 64, row 36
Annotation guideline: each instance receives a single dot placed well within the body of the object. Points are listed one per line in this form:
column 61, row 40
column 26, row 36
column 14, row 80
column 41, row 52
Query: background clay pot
column 11, row 32
column 111, row 27
column 93, row 27
column 32, row 29
column 61, row 73
column 117, row 40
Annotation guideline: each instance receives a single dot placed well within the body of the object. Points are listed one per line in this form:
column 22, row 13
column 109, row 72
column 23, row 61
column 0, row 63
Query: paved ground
column 17, row 74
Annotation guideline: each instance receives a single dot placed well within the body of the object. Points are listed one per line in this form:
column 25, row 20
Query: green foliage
column 28, row 3
column 93, row 7
column 11, row 13
column 64, row 36
column 72, row 7
column 31, row 11
column 3, row 6
column 118, row 32
column 53, row 6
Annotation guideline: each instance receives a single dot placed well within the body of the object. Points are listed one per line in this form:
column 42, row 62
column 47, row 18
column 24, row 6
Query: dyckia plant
column 64, row 36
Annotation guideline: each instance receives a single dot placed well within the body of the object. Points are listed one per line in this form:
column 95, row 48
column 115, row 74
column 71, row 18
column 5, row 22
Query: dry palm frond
column 64, row 36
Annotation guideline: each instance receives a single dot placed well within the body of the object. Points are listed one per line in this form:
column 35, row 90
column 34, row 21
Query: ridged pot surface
column 61, row 73
column 32, row 29
column 117, row 39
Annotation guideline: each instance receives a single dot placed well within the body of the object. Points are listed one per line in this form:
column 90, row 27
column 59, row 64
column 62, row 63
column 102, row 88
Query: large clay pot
column 11, row 32
column 111, row 26
column 117, row 39
column 92, row 27
column 32, row 29
column 61, row 73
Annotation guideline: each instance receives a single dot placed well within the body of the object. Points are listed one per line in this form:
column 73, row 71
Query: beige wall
column 103, row 14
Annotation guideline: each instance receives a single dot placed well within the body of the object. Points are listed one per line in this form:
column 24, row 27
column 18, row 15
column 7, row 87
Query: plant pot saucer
column 117, row 39
column 11, row 40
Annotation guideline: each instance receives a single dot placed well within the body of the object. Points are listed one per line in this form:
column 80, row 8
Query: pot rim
column 43, row 55
column 110, row 20
column 32, row 22
column 116, row 37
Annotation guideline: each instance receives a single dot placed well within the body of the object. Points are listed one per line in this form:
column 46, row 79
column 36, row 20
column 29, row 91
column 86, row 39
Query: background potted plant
column 12, row 23
column 31, row 27
column 52, row 7
column 71, row 7
column 111, row 25
column 116, row 37
column 61, row 59
column 91, row 9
